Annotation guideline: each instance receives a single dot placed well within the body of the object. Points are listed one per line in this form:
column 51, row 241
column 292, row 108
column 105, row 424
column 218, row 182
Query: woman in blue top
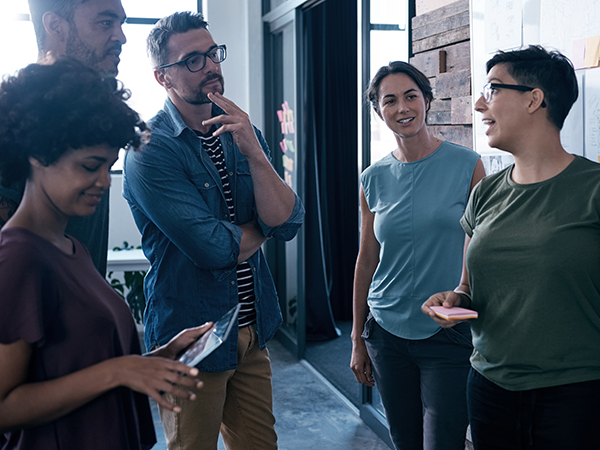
column 412, row 244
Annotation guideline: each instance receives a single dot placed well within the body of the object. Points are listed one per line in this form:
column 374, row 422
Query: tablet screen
column 212, row 339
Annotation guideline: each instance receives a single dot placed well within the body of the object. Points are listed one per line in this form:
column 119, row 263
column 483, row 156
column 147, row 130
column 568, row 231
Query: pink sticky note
column 454, row 313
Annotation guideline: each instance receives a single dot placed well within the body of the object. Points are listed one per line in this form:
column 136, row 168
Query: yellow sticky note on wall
column 592, row 51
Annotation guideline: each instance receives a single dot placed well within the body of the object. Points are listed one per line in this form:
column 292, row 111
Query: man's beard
column 82, row 52
column 199, row 97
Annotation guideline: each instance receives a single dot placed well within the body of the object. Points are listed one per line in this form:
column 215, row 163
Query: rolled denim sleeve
column 162, row 187
column 288, row 230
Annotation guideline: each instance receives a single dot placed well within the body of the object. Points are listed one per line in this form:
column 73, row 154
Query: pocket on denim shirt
column 242, row 167
column 245, row 192
column 208, row 189
column 244, row 177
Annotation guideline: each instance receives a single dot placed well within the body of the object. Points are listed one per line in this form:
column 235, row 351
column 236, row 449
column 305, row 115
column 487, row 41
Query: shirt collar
column 178, row 123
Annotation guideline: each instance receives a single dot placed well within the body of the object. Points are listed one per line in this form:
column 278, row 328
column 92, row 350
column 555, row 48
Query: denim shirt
column 176, row 197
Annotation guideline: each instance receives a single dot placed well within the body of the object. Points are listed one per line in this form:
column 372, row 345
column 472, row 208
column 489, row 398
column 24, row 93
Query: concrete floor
column 309, row 415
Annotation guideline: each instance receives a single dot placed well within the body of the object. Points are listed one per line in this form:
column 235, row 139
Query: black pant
column 563, row 417
column 422, row 385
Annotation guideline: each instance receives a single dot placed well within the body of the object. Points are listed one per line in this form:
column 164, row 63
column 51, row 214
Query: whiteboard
column 555, row 24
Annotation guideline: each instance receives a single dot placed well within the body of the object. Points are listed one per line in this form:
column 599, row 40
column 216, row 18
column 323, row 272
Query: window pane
column 276, row 3
column 389, row 12
column 386, row 46
column 12, row 7
column 156, row 8
column 382, row 139
column 136, row 73
column 14, row 57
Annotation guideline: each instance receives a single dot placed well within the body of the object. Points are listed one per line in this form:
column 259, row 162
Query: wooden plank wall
column 441, row 48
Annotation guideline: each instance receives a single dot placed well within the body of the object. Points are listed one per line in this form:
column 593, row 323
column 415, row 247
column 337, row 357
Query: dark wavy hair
column 158, row 39
column 372, row 92
column 46, row 110
column 550, row 71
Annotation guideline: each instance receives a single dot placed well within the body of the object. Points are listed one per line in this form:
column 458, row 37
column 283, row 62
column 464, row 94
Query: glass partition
column 282, row 132
column 389, row 41
column 386, row 37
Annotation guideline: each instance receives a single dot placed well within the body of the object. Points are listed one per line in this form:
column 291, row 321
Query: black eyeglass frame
column 514, row 87
column 221, row 47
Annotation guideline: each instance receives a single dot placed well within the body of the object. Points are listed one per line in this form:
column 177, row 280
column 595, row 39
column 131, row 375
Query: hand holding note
column 444, row 308
column 454, row 313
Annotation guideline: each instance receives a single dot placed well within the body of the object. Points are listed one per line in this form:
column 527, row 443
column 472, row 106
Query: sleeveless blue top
column 417, row 207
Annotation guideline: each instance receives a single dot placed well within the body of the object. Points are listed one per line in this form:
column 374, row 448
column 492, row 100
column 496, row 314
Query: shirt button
column 254, row 269
column 230, row 143
column 224, row 216
column 206, row 185
column 232, row 283
column 230, row 174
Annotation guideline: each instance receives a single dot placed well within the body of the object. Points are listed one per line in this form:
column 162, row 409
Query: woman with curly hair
column 70, row 371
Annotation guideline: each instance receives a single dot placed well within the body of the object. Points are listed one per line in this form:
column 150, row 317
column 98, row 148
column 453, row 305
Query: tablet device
column 212, row 339
column 454, row 313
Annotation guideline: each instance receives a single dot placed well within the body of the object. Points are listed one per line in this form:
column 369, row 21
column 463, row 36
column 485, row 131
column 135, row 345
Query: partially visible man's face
column 96, row 34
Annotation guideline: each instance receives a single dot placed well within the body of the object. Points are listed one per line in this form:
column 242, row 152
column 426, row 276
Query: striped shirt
column 212, row 146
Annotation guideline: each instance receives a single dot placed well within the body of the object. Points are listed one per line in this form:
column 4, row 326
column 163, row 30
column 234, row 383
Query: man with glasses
column 89, row 31
column 205, row 198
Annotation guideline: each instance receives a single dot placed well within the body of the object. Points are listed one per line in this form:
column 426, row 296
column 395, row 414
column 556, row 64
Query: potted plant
column 132, row 288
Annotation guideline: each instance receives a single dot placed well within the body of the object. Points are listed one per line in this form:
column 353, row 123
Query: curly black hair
column 46, row 110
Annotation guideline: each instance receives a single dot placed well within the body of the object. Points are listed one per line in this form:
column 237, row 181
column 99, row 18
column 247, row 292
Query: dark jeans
column 422, row 385
column 563, row 417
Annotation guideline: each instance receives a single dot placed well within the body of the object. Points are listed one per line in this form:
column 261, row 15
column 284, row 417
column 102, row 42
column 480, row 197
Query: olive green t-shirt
column 534, row 271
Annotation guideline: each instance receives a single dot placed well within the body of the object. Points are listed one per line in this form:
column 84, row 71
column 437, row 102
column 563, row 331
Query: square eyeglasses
column 196, row 62
column 489, row 88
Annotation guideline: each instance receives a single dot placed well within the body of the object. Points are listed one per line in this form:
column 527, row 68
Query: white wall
column 121, row 225
column 238, row 24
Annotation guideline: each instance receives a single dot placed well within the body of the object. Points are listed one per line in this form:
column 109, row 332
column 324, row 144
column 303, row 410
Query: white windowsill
column 126, row 261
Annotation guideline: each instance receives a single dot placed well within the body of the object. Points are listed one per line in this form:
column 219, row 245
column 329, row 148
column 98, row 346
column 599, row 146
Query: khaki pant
column 238, row 403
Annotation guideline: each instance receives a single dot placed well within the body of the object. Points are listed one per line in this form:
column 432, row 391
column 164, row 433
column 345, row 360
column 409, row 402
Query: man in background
column 91, row 32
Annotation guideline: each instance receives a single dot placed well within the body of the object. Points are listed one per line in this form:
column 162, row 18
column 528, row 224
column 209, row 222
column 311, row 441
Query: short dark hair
column 550, row 71
column 37, row 9
column 47, row 110
column 372, row 92
column 158, row 39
